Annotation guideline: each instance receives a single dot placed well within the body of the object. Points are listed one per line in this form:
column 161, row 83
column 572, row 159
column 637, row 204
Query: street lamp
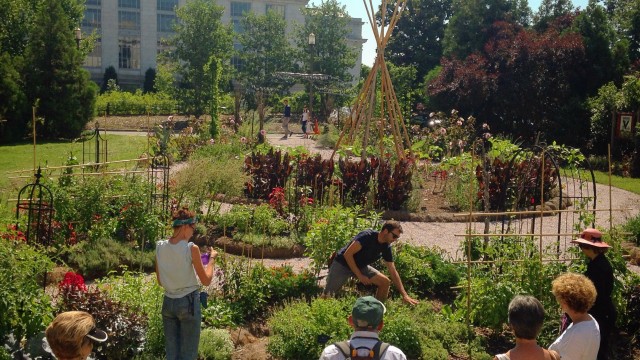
column 312, row 43
column 78, row 33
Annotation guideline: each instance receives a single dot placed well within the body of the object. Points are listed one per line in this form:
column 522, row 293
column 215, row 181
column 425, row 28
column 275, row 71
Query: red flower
column 73, row 282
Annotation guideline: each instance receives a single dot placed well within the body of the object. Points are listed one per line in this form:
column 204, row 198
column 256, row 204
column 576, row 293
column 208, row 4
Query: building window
column 237, row 63
column 94, row 59
column 131, row 4
column 237, row 26
column 168, row 5
column 129, row 53
column 91, row 18
column 129, row 20
column 163, row 46
column 239, row 8
column 93, row 2
column 278, row 9
column 165, row 22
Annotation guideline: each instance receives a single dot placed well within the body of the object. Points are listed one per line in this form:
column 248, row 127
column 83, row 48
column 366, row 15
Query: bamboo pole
column 529, row 212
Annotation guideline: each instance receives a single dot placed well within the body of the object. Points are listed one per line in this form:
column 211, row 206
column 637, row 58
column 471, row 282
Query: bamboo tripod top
column 362, row 115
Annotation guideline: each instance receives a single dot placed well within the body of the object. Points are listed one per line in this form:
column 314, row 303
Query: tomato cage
column 34, row 212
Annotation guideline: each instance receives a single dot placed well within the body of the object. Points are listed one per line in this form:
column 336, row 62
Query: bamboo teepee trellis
column 362, row 113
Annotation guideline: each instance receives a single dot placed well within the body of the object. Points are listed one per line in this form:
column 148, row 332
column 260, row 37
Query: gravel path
column 449, row 235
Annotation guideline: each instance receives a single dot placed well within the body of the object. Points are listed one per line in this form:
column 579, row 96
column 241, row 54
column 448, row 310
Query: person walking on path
column 286, row 116
column 367, row 320
column 526, row 316
column 177, row 263
column 305, row 121
column 600, row 272
column 355, row 258
column 581, row 340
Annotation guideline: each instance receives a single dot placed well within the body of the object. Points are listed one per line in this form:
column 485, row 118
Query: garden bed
column 231, row 246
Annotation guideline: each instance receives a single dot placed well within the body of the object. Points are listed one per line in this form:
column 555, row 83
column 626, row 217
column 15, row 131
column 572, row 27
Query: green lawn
column 625, row 183
column 20, row 157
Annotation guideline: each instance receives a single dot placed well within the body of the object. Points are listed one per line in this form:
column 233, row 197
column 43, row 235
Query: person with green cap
column 366, row 319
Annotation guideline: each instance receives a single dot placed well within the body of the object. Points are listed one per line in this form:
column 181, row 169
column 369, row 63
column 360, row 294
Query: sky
column 356, row 9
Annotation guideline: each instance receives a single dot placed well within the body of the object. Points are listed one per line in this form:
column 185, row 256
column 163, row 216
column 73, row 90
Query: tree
column 550, row 10
column 109, row 74
column 53, row 74
column 468, row 28
column 417, row 38
column 200, row 35
column 522, row 83
column 12, row 99
column 149, row 81
column 265, row 51
column 331, row 55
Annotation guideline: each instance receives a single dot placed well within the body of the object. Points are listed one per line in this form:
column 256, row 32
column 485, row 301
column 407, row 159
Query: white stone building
column 130, row 32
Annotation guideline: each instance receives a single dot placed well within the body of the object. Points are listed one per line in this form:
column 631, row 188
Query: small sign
column 626, row 125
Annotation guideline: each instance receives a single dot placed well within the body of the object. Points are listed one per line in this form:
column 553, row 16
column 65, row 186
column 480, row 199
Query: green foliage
column 246, row 219
column 53, row 78
column 110, row 76
column 200, row 35
column 215, row 344
column 633, row 226
column 333, row 228
column 25, row 309
column 98, row 257
column 142, row 295
column 218, row 313
column 215, row 67
column 425, row 272
column 418, row 331
column 251, row 291
column 296, row 327
column 137, row 103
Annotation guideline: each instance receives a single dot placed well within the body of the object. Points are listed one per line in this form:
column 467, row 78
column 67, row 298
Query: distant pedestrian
column 305, row 120
column 286, row 116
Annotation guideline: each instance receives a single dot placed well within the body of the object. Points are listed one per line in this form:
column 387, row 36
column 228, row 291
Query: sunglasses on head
column 395, row 236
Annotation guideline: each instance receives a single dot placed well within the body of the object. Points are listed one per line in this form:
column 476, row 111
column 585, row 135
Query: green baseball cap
column 367, row 312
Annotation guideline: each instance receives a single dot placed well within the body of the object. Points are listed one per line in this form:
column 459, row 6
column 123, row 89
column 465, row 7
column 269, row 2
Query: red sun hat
column 591, row 237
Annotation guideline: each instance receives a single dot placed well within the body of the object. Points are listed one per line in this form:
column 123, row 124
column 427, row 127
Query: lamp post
column 78, row 33
column 312, row 44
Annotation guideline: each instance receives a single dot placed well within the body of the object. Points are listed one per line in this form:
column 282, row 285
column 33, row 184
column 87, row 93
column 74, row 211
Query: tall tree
column 550, row 10
column 523, row 83
column 468, row 29
column 53, row 73
column 417, row 38
column 331, row 55
column 265, row 50
column 200, row 34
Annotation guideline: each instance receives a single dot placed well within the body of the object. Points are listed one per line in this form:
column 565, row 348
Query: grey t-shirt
column 175, row 268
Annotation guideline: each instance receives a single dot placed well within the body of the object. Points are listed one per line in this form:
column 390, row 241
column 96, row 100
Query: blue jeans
column 181, row 320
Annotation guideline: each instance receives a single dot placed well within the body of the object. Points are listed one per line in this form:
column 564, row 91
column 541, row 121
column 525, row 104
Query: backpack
column 350, row 352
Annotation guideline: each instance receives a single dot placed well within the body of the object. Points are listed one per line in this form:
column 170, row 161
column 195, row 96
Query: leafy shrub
column 633, row 226
column 402, row 330
column 261, row 219
column 267, row 171
column 356, row 177
column 296, row 328
column 315, row 174
column 425, row 272
column 142, row 295
column 218, row 313
column 332, row 229
column 124, row 326
column 251, row 291
column 394, row 184
column 215, row 344
column 126, row 103
column 25, row 309
column 98, row 258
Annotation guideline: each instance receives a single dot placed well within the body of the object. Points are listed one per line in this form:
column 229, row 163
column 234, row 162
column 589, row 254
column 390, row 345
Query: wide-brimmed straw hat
column 591, row 237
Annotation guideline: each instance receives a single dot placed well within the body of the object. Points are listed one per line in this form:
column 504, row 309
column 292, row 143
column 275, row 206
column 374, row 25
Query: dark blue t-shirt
column 287, row 111
column 371, row 250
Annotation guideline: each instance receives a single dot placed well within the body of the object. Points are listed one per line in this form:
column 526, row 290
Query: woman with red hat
column 600, row 272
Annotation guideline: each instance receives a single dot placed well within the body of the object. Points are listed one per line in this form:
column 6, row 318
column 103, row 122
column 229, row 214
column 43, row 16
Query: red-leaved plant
column 278, row 201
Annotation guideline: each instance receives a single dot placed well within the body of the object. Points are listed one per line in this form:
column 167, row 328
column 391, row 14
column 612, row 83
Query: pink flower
column 212, row 141
column 243, row 140
column 485, row 126
column 263, row 132
column 459, row 123
column 231, row 122
column 487, row 135
column 443, row 131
